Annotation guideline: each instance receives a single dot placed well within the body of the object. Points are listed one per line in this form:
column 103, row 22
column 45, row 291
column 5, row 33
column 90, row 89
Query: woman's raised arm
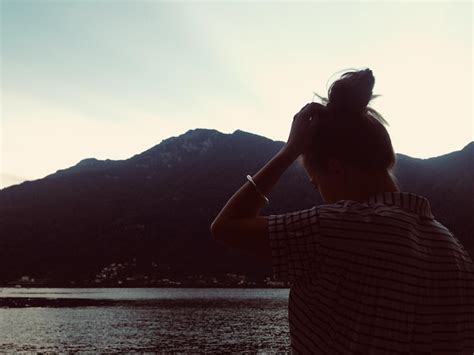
column 238, row 224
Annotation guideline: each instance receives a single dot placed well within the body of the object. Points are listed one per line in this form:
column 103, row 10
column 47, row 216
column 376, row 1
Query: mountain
column 157, row 206
column 447, row 181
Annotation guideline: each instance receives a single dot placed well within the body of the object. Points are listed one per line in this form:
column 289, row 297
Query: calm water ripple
column 184, row 320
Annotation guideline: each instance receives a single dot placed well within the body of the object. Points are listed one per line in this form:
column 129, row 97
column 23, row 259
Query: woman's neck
column 364, row 185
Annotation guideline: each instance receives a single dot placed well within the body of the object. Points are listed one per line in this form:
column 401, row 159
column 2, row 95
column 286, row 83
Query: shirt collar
column 405, row 200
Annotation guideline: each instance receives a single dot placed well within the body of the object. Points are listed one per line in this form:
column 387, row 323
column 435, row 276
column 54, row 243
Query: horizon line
column 20, row 179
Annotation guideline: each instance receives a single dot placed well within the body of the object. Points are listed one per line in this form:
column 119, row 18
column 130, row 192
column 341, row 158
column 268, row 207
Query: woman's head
column 350, row 146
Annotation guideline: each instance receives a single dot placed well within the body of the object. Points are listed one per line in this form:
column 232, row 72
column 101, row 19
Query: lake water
column 155, row 319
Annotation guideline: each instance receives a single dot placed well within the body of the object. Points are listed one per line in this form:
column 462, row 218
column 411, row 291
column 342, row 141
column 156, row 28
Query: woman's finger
column 301, row 111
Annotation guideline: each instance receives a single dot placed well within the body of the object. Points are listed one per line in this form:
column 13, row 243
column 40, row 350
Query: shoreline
column 49, row 302
column 141, row 286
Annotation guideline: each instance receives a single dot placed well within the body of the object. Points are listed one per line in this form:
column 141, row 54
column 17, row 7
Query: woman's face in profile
column 314, row 180
column 327, row 184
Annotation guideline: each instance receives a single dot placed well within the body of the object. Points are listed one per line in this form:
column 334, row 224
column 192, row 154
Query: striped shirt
column 380, row 276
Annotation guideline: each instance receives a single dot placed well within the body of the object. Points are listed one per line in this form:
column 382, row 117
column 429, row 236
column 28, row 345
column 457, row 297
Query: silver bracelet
column 249, row 178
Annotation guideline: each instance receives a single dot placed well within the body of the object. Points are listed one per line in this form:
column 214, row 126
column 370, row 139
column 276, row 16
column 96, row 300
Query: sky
column 111, row 79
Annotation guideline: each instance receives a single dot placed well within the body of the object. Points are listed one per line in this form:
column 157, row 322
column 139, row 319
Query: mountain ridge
column 209, row 134
column 156, row 207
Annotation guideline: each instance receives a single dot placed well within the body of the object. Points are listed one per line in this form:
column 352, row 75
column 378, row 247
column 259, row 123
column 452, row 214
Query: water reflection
column 173, row 320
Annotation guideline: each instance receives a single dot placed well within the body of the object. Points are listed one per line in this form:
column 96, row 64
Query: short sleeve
column 294, row 239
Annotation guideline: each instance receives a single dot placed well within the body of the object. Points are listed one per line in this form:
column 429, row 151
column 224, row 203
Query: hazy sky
column 110, row 79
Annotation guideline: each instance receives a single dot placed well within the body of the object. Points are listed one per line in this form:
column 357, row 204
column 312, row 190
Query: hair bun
column 351, row 94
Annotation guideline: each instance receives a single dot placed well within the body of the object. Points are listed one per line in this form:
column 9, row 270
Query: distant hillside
column 157, row 206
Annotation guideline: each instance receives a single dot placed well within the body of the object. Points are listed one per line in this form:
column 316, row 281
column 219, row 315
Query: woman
column 371, row 271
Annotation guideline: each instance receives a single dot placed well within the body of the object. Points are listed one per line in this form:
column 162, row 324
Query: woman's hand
column 303, row 127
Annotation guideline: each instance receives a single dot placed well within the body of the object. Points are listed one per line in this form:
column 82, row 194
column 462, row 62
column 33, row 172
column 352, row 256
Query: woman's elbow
column 213, row 229
column 221, row 233
column 216, row 230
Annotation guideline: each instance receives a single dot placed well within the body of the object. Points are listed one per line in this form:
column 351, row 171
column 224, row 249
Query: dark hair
column 348, row 130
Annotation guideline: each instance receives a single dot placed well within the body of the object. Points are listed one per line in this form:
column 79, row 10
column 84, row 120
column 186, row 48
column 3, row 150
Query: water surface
column 154, row 319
